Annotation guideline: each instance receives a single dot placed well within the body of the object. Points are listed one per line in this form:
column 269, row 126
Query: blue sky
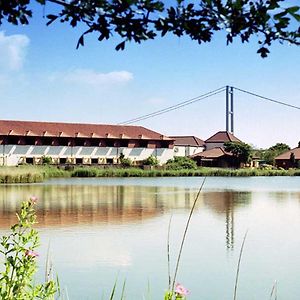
column 43, row 77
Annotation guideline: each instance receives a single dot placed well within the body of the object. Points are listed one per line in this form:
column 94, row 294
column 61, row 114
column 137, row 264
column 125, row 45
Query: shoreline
column 35, row 174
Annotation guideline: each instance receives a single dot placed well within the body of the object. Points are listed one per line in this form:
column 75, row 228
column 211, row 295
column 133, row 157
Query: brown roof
column 287, row 154
column 212, row 153
column 30, row 128
column 187, row 141
column 222, row 137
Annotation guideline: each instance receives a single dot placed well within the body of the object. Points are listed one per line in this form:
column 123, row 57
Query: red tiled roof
column 212, row 153
column 24, row 128
column 222, row 137
column 187, row 141
column 287, row 155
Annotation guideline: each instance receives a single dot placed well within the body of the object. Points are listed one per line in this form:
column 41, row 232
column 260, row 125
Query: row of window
column 77, row 161
column 14, row 140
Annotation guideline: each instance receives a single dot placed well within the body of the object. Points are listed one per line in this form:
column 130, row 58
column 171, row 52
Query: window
column 94, row 161
column 79, row 161
column 29, row 160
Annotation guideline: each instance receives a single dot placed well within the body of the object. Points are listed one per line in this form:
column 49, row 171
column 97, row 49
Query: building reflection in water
column 226, row 202
column 69, row 205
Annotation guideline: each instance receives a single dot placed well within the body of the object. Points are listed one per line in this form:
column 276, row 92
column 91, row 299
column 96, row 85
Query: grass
column 31, row 174
column 134, row 172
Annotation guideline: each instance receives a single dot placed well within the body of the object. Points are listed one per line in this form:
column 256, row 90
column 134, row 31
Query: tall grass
column 238, row 267
column 29, row 174
column 203, row 172
column 185, row 233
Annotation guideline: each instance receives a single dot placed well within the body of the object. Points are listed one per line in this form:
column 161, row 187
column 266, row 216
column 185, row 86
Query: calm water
column 99, row 229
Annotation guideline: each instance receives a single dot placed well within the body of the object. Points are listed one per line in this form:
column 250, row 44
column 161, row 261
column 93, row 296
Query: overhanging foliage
column 141, row 20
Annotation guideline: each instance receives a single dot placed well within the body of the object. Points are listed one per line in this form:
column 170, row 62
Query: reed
column 274, row 291
column 172, row 293
column 29, row 174
column 32, row 174
column 200, row 172
column 238, row 267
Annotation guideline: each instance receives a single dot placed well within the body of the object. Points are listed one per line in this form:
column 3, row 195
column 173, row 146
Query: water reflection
column 98, row 228
column 69, row 205
column 225, row 203
column 85, row 204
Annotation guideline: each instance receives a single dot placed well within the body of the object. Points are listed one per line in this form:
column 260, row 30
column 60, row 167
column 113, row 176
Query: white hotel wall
column 187, row 150
column 14, row 153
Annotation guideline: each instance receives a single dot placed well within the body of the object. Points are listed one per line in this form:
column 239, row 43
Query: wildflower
column 31, row 253
column 181, row 291
column 33, row 199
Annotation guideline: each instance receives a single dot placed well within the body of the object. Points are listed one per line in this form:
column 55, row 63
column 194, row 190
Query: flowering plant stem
column 18, row 252
column 181, row 292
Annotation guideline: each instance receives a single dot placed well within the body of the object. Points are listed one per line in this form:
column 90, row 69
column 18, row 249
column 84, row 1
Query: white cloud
column 92, row 78
column 13, row 50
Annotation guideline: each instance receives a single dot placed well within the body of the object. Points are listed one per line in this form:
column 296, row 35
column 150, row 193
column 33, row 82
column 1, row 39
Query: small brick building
column 288, row 159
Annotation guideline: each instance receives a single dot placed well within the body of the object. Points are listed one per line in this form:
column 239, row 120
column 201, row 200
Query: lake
column 102, row 229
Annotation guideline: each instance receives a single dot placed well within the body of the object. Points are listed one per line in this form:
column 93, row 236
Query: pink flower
column 33, row 199
column 31, row 253
column 180, row 290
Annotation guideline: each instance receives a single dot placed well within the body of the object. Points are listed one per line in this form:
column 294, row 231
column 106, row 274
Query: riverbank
column 133, row 172
column 32, row 174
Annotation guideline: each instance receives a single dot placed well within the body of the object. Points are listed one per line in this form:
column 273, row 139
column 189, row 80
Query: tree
column 241, row 151
column 280, row 147
column 140, row 20
column 270, row 154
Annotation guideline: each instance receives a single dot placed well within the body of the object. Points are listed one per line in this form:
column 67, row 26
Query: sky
column 44, row 78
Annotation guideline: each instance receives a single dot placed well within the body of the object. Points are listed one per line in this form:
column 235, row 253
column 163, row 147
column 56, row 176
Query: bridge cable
column 268, row 99
column 174, row 107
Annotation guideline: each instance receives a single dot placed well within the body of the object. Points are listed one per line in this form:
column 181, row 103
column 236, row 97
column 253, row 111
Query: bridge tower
column 229, row 109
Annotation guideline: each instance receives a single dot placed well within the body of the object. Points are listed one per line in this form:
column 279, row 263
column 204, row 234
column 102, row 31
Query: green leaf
column 293, row 9
column 120, row 46
column 51, row 18
column 263, row 52
column 280, row 15
column 80, row 42
column 295, row 16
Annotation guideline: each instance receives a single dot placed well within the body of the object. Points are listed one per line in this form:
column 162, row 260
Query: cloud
column 88, row 77
column 13, row 50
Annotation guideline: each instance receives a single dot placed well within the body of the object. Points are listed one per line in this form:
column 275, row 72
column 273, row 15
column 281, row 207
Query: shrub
column 46, row 160
column 181, row 163
column 125, row 162
column 297, row 173
column 151, row 161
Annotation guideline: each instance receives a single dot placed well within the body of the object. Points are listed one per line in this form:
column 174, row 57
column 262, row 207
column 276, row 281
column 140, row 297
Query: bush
column 125, row 162
column 151, row 161
column 46, row 160
column 181, row 163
